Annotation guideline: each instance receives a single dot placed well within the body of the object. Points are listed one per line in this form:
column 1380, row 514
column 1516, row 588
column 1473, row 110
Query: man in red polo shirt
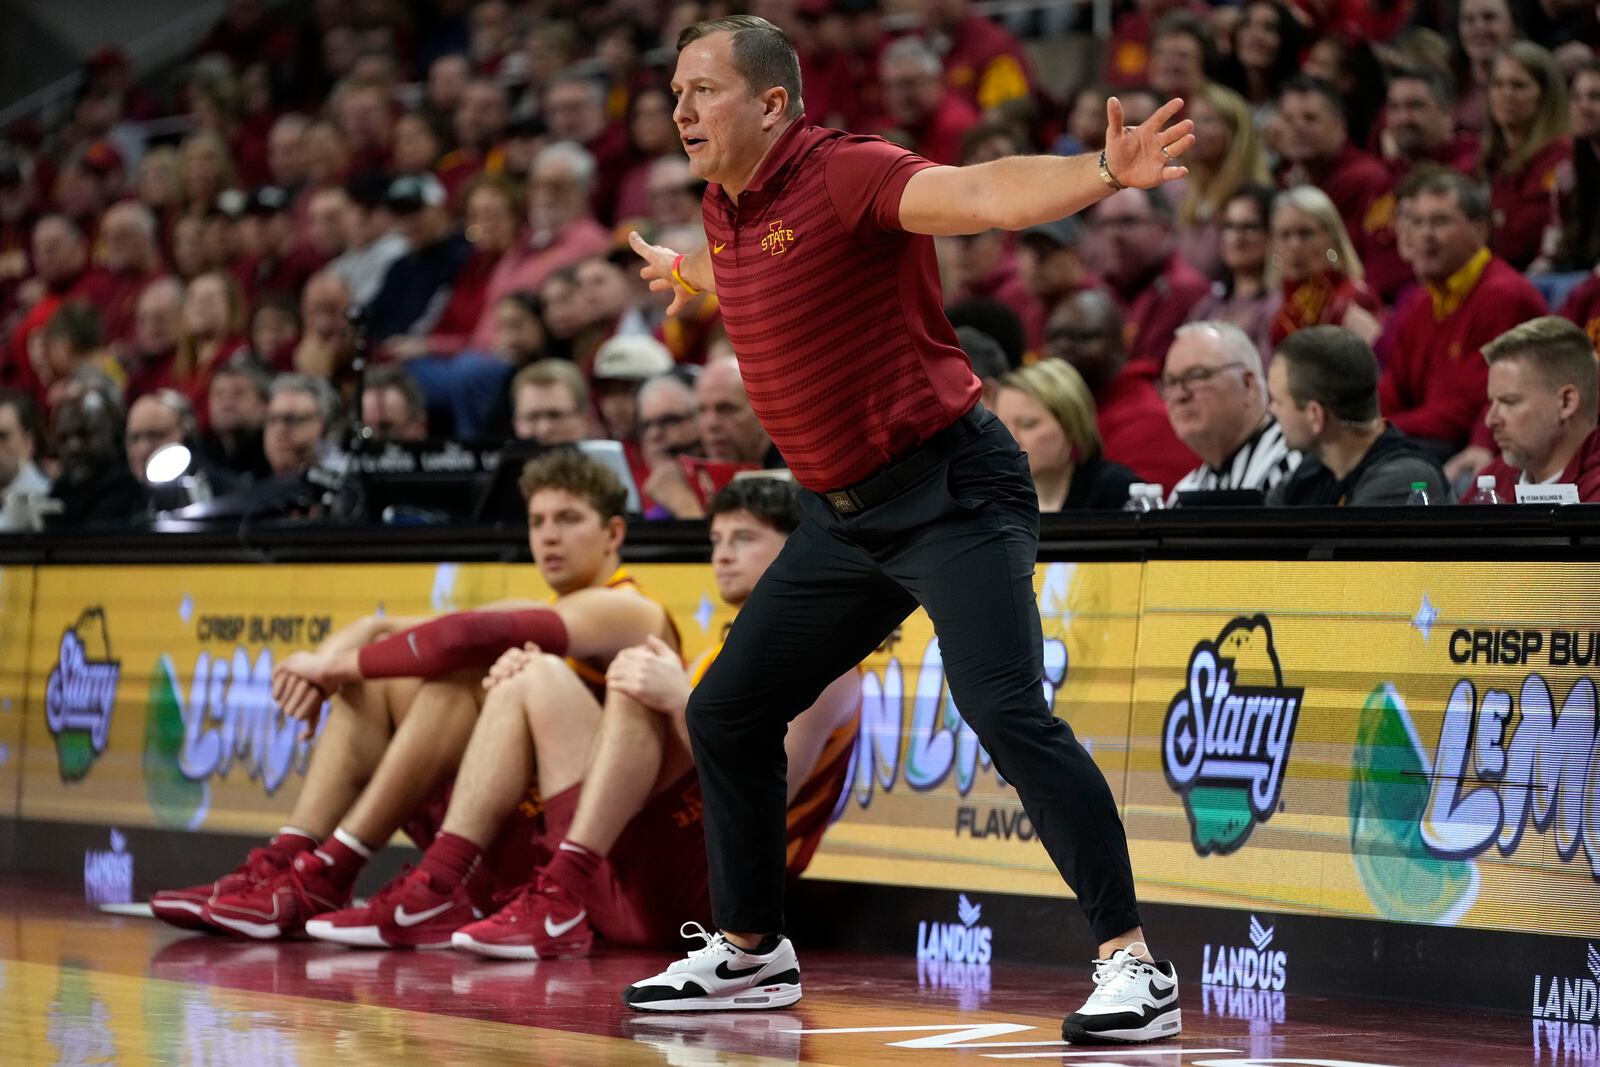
column 1543, row 389
column 1433, row 385
column 919, row 111
column 1152, row 281
column 1317, row 151
column 819, row 250
column 1420, row 124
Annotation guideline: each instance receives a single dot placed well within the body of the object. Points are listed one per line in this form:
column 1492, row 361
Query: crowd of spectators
column 439, row 192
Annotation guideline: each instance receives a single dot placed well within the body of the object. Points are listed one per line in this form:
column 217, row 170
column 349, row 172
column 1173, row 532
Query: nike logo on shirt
column 405, row 918
column 555, row 929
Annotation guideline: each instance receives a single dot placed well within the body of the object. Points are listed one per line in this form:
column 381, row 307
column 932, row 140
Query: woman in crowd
column 1575, row 241
column 1242, row 296
column 1483, row 27
column 213, row 330
column 1049, row 410
column 1320, row 277
column 1525, row 146
column 1227, row 154
column 206, row 168
column 651, row 136
column 1267, row 41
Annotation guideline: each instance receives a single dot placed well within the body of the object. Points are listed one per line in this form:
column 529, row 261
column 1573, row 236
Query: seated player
column 618, row 838
column 405, row 694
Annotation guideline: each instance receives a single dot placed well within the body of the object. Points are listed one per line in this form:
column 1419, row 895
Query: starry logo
column 80, row 693
column 1225, row 744
column 777, row 240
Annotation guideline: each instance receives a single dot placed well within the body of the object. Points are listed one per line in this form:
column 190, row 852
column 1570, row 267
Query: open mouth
column 691, row 143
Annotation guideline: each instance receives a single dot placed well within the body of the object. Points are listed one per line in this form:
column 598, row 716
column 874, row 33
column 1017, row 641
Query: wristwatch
column 1106, row 175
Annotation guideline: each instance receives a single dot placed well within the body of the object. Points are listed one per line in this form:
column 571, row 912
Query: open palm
column 1144, row 156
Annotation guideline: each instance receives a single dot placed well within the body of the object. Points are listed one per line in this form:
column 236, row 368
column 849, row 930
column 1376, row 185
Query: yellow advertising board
column 1406, row 741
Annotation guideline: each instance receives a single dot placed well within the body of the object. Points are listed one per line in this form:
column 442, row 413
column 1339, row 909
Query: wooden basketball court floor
column 81, row 987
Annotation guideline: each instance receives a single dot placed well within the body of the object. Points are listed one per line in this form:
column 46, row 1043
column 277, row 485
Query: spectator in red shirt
column 1051, row 265
column 1242, row 296
column 919, row 111
column 157, row 324
column 1265, row 53
column 1229, row 153
column 365, row 117
column 1180, row 55
column 1483, row 27
column 1317, row 151
column 1420, row 124
column 1543, row 397
column 1323, row 283
column 984, row 265
column 132, row 260
column 1128, row 51
column 575, row 110
column 562, row 229
column 982, row 61
column 205, row 169
column 1524, row 148
column 61, row 272
column 1154, row 284
column 1433, row 385
column 480, row 126
column 214, row 321
column 1583, row 307
column 1575, row 244
column 1085, row 330
column 652, row 140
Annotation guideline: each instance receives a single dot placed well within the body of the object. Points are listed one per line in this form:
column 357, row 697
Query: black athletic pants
column 960, row 540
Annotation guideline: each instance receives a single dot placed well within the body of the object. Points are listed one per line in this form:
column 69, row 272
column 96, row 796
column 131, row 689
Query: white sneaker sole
column 258, row 931
column 1168, row 1024
column 750, row 1000
column 360, row 936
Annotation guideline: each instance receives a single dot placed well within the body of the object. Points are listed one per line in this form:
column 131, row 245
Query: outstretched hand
column 1144, row 156
column 657, row 270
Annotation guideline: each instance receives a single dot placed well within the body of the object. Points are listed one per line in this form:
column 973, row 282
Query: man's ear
column 774, row 106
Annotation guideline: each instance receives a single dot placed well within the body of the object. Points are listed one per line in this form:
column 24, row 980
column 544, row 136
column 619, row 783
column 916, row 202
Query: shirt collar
column 1448, row 296
column 783, row 150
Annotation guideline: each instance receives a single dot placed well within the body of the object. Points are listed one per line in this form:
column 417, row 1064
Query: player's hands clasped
column 510, row 663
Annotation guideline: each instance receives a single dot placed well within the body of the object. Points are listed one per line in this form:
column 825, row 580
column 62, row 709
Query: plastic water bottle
column 1143, row 496
column 1485, row 493
column 1419, row 494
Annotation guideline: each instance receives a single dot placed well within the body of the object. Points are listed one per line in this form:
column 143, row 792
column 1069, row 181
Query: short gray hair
column 573, row 155
column 912, row 50
column 1235, row 344
column 318, row 390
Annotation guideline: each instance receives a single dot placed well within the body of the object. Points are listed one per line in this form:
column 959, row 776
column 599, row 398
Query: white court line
column 1109, row 1050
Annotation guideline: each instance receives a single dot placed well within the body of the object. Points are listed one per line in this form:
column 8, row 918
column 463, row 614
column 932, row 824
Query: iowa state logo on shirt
column 777, row 240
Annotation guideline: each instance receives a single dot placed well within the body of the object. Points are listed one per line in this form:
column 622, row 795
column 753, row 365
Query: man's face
column 618, row 404
column 548, row 414
column 1299, row 431
column 1584, row 106
column 564, row 307
column 322, row 309
column 447, row 79
column 480, row 118
column 58, row 253
column 672, row 191
column 742, row 548
column 1524, row 414
column 293, row 432
column 16, row 447
column 235, row 404
column 604, row 288
column 1134, row 237
column 286, row 154
column 1177, row 64
column 126, row 246
column 729, row 428
column 151, row 424
column 1088, row 341
column 491, row 221
column 391, row 418
column 570, row 543
column 667, row 426
column 1417, row 120
column 719, row 120
column 517, row 332
column 573, row 112
column 1205, row 393
column 1048, row 269
column 329, row 222
column 555, row 195
column 910, row 90
column 83, row 435
column 1440, row 237
column 156, row 319
column 1313, row 131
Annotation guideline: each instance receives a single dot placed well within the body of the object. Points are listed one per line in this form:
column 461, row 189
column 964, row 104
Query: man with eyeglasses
column 1139, row 258
column 1085, row 330
column 300, row 415
column 668, row 428
column 550, row 402
column 1216, row 396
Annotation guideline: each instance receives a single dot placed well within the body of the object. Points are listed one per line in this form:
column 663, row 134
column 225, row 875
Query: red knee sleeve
column 464, row 639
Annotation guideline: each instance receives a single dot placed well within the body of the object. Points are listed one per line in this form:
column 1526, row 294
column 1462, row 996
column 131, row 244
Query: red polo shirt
column 834, row 310
column 1583, row 307
column 1582, row 470
column 1524, row 203
column 1154, row 307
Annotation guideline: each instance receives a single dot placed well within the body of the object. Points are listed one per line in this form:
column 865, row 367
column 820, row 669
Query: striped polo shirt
column 835, row 312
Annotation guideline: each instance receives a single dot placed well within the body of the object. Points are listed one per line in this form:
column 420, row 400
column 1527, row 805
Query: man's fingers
column 1177, row 132
column 1180, row 146
column 1114, row 116
column 1165, row 113
column 658, row 645
column 639, row 244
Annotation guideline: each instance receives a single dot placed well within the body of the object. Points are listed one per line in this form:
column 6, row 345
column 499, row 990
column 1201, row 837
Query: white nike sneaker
column 1132, row 1002
column 720, row 976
